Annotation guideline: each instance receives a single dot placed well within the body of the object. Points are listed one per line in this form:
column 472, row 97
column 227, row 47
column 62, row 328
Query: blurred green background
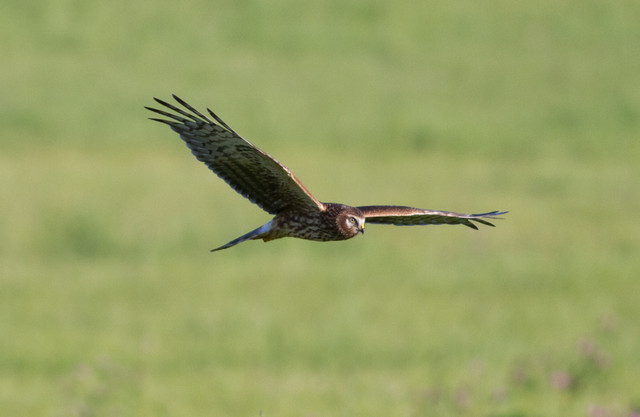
column 111, row 304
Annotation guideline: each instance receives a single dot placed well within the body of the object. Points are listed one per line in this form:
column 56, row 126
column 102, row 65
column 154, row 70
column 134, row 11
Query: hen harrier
column 274, row 188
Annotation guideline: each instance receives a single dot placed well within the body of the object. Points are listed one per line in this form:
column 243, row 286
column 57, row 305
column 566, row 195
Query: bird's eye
column 353, row 221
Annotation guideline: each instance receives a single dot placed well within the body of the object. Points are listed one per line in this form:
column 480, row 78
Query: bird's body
column 321, row 225
column 274, row 188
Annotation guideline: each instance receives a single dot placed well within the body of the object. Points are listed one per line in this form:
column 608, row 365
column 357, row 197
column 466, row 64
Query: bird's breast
column 310, row 226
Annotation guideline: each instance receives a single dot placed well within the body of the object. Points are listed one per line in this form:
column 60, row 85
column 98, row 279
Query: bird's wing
column 247, row 169
column 410, row 216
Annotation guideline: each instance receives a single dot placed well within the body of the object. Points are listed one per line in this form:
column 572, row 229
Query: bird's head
column 350, row 221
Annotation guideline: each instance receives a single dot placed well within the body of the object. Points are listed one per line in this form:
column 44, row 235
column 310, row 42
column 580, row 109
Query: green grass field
column 111, row 304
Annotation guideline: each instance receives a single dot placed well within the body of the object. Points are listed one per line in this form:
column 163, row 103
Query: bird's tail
column 258, row 233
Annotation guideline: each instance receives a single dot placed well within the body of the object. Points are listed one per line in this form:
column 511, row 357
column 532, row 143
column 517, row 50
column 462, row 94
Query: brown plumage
column 273, row 187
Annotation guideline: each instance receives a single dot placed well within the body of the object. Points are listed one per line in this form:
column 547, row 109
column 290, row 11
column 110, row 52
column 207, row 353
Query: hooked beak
column 361, row 229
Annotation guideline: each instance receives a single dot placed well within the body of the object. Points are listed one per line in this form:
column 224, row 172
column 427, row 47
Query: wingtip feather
column 160, row 101
column 471, row 225
column 179, row 100
column 219, row 120
column 486, row 223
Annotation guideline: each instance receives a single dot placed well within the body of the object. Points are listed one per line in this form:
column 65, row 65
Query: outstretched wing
column 409, row 216
column 247, row 169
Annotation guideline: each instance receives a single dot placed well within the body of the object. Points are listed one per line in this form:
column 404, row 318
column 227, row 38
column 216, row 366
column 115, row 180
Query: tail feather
column 254, row 234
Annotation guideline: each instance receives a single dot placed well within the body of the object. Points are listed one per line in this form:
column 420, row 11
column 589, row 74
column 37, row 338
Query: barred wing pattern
column 410, row 216
column 248, row 170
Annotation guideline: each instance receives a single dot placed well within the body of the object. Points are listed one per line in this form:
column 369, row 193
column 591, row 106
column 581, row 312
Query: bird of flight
column 273, row 187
